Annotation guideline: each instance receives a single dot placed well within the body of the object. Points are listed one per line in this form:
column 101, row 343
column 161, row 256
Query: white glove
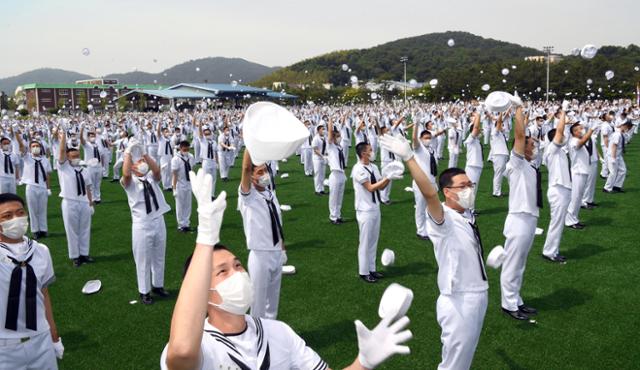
column 325, row 159
column 58, row 348
column 48, row 192
column 284, row 259
column 393, row 171
column 19, row 183
column 515, row 101
column 175, row 192
column 93, row 210
column 133, row 143
column 565, row 105
column 209, row 212
column 377, row 345
column 397, row 145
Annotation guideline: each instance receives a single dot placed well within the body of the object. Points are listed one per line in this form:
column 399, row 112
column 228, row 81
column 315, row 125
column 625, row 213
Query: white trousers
column 265, row 269
column 117, row 167
column 196, row 151
column 37, row 201
column 318, row 174
column 105, row 161
column 346, row 144
column 590, row 187
column 440, row 146
column 460, row 315
column 519, row 231
column 337, row 181
column 578, row 184
column 77, row 225
column 369, row 228
column 183, row 206
column 420, row 211
column 617, row 174
column 558, row 202
column 386, row 191
column 307, row 161
column 604, row 172
column 453, row 159
column 211, row 167
column 95, row 174
column 165, row 171
column 8, row 185
column 35, row 354
column 225, row 158
column 499, row 166
column 149, row 242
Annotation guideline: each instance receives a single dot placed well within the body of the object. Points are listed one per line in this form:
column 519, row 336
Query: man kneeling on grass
column 209, row 328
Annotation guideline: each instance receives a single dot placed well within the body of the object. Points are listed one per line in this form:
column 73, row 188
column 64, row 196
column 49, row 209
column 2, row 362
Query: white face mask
column 372, row 156
column 75, row 162
column 534, row 152
column 208, row 137
column 6, row 147
column 15, row 228
column 236, row 293
column 426, row 143
column 92, row 139
column 143, row 168
column 466, row 198
column 264, row 180
column 35, row 150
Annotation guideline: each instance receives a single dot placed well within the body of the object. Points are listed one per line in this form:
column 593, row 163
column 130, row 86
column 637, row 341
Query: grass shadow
column 413, row 268
column 330, row 335
column 599, row 221
column 512, row 365
column 584, row 251
column 492, row 211
column 312, row 243
column 561, row 299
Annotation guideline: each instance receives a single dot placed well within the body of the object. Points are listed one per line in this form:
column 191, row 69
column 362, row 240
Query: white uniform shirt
column 69, row 183
column 179, row 164
column 423, row 157
column 453, row 144
column 616, row 139
column 30, row 168
column 8, row 164
column 474, row 151
column 286, row 350
column 317, row 144
column 579, row 157
column 136, row 199
column 256, row 219
column 364, row 199
column 498, row 142
column 226, row 140
column 558, row 165
column 334, row 151
column 91, row 150
column 460, row 262
column 522, row 186
column 165, row 148
column 204, row 149
column 42, row 267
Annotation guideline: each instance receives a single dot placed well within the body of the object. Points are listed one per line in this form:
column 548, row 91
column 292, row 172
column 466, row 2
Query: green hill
column 472, row 62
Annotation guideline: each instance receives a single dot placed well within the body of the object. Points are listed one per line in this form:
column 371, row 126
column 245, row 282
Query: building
column 101, row 94
column 190, row 94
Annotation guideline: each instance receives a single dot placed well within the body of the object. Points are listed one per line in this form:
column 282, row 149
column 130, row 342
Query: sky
column 153, row 35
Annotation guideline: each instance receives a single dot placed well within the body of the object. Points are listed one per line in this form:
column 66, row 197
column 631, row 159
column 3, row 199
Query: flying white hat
column 498, row 101
column 388, row 257
column 288, row 270
column 395, row 302
column 91, row 287
column 271, row 132
column 588, row 51
column 496, row 257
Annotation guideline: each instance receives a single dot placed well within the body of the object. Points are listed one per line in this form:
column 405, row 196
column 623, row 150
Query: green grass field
column 588, row 307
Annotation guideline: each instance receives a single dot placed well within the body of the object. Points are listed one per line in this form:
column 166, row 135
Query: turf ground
column 588, row 307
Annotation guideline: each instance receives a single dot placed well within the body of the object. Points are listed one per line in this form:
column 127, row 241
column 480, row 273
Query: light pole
column 404, row 61
column 548, row 50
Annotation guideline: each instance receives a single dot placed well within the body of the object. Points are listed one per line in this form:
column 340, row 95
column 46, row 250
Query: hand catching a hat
column 398, row 146
column 210, row 212
column 385, row 340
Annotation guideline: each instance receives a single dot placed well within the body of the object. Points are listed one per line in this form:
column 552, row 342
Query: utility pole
column 404, row 61
column 548, row 50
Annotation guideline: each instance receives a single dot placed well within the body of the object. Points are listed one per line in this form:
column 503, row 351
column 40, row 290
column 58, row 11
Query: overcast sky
column 124, row 35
